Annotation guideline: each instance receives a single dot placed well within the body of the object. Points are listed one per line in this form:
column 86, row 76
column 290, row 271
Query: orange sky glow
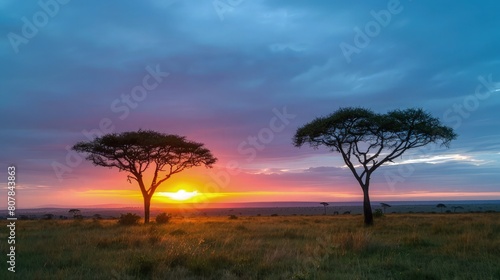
column 210, row 187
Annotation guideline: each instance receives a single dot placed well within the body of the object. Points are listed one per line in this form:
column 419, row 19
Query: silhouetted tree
column 324, row 204
column 75, row 212
column 135, row 152
column 456, row 207
column 441, row 205
column 366, row 140
column 384, row 206
column 48, row 216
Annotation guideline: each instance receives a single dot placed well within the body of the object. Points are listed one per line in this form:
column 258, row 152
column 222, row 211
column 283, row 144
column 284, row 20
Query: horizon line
column 233, row 204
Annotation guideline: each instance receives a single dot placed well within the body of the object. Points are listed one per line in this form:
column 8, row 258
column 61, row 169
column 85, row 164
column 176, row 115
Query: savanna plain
column 398, row 246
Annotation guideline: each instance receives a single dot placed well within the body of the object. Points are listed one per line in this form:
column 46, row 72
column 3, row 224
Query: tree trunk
column 147, row 204
column 367, row 208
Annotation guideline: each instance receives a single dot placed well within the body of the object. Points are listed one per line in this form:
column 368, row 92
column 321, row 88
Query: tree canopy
column 366, row 140
column 137, row 151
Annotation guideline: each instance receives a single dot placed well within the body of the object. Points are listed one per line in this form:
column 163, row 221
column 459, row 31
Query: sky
column 241, row 76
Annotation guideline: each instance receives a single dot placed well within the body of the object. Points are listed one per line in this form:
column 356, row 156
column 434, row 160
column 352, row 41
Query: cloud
column 437, row 159
column 227, row 76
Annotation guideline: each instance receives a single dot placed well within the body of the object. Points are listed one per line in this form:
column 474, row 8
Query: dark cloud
column 226, row 77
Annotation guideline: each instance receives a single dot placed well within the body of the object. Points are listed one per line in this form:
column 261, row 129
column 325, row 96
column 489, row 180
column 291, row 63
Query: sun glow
column 179, row 195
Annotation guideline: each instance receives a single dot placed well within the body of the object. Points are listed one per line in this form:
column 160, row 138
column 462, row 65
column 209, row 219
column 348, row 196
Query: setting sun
column 179, row 195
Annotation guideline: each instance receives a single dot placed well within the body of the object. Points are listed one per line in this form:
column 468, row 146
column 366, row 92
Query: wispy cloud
column 440, row 159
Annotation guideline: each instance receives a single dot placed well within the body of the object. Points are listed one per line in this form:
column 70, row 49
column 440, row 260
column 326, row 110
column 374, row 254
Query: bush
column 48, row 216
column 378, row 213
column 128, row 219
column 233, row 217
column 163, row 218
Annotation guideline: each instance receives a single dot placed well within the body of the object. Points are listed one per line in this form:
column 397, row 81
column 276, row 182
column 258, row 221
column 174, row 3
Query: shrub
column 233, row 217
column 378, row 213
column 163, row 218
column 128, row 219
column 48, row 216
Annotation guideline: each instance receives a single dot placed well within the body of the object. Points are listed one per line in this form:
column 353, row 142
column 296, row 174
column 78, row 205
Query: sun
column 180, row 195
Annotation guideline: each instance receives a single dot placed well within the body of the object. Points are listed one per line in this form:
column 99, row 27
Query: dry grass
column 399, row 246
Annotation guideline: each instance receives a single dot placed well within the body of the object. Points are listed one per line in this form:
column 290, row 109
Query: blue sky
column 220, row 71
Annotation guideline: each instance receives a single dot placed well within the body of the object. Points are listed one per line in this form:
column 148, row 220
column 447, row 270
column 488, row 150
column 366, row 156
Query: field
column 399, row 246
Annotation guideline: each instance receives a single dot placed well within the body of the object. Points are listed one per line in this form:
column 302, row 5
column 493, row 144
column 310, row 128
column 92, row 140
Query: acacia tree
column 384, row 206
column 366, row 140
column 138, row 151
column 324, row 204
column 74, row 212
column 441, row 206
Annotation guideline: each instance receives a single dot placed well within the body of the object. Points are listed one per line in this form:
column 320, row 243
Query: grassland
column 399, row 246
